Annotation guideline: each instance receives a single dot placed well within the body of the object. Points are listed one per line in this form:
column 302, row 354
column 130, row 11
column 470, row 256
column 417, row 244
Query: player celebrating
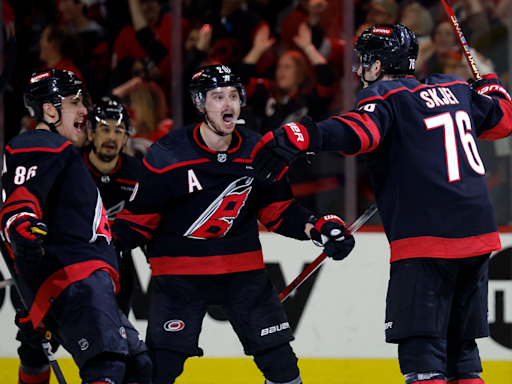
column 197, row 203
column 59, row 238
column 429, row 182
column 115, row 175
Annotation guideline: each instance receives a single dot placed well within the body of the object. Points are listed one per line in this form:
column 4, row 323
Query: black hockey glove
column 489, row 85
column 25, row 235
column 329, row 232
column 27, row 334
column 273, row 154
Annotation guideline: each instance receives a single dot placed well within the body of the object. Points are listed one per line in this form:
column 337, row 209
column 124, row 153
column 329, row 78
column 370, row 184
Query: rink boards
column 337, row 318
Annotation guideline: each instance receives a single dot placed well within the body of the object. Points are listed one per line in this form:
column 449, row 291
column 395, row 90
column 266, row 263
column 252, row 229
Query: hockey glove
column 273, row 154
column 489, row 85
column 329, row 232
column 25, row 234
column 27, row 334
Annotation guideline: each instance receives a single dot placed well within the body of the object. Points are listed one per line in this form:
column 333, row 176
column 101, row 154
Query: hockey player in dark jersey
column 115, row 175
column 198, row 202
column 419, row 139
column 59, row 239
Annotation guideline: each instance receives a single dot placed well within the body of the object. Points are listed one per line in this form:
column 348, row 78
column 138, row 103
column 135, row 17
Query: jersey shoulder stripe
column 385, row 89
column 39, row 140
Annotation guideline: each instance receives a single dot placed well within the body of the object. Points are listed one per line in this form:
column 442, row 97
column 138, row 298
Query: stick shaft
column 462, row 40
column 320, row 259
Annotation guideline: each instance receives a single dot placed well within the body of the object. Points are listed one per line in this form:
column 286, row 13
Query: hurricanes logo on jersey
column 218, row 218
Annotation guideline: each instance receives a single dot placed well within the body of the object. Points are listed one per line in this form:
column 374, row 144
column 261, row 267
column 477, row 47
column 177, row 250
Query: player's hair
column 110, row 108
column 394, row 45
column 50, row 86
column 210, row 77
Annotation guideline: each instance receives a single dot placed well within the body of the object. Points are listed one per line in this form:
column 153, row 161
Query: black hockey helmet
column 211, row 77
column 394, row 45
column 109, row 108
column 50, row 86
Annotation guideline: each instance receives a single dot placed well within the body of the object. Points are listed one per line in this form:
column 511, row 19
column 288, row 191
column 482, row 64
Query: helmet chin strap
column 370, row 82
column 52, row 125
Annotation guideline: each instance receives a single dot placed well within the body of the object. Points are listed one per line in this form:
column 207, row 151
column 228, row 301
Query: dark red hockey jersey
column 419, row 139
column 44, row 176
column 201, row 207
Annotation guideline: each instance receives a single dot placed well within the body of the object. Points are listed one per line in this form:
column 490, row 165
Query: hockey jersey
column 201, row 207
column 419, row 139
column 44, row 176
column 116, row 187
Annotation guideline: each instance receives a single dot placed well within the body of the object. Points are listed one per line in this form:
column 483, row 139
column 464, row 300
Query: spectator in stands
column 379, row 12
column 416, row 17
column 59, row 49
column 95, row 61
column 149, row 116
column 291, row 95
column 233, row 30
column 148, row 39
column 432, row 52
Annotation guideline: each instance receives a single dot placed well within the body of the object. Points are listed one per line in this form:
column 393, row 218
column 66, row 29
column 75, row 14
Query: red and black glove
column 329, row 232
column 273, row 154
column 25, row 235
column 489, row 85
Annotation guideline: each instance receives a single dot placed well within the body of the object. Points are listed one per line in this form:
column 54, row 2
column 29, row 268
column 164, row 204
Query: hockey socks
column 29, row 375
column 425, row 378
column 470, row 378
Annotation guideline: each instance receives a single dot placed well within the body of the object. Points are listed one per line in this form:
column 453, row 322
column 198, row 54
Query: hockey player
column 429, row 181
column 115, row 175
column 58, row 236
column 196, row 201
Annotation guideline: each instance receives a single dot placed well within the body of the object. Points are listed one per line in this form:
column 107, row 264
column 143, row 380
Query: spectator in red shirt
column 148, row 39
column 59, row 49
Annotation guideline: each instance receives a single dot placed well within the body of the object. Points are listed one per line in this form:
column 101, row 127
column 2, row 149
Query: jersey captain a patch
column 218, row 218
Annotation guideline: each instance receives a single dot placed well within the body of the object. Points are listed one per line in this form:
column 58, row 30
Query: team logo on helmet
column 382, row 31
column 40, row 76
column 174, row 325
column 197, row 74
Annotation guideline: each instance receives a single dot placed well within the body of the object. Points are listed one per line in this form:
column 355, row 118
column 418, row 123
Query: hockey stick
column 320, row 259
column 47, row 348
column 462, row 40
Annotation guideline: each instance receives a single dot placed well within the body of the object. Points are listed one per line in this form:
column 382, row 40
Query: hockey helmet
column 109, row 108
column 50, row 86
column 211, row 77
column 394, row 45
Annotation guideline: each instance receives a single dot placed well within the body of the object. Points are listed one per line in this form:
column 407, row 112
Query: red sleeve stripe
column 129, row 182
column 21, row 195
column 504, row 127
column 149, row 221
column 38, row 149
column 365, row 128
column 177, row 165
column 58, row 281
column 401, row 89
column 248, row 161
column 273, row 212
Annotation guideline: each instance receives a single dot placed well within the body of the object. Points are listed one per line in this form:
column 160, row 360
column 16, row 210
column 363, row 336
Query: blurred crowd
column 289, row 54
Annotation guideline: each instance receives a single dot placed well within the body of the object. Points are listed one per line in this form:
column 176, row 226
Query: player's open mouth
column 78, row 125
column 228, row 117
column 111, row 146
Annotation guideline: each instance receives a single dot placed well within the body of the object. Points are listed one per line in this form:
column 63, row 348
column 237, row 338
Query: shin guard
column 279, row 365
column 30, row 375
